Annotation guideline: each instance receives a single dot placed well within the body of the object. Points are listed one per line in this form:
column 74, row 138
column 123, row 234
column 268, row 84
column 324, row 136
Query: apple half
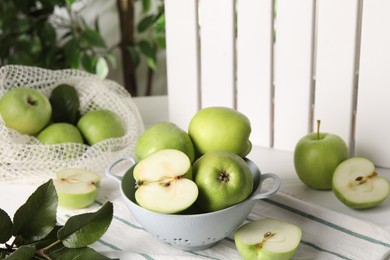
column 357, row 185
column 76, row 188
column 267, row 239
column 164, row 183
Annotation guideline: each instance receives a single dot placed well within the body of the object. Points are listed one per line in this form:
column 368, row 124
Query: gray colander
column 191, row 230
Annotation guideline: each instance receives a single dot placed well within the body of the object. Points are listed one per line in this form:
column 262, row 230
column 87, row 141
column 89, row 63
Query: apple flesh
column 164, row 135
column 270, row 239
column 58, row 133
column 220, row 128
column 76, row 188
column 98, row 125
column 164, row 182
column 357, row 185
column 223, row 178
column 25, row 109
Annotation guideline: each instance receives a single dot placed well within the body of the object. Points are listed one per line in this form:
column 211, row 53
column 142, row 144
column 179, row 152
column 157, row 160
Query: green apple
column 58, row 133
column 223, row 178
column 164, row 182
column 316, row 156
column 98, row 125
column 267, row 239
column 25, row 109
column 164, row 135
column 220, row 128
column 357, row 185
column 76, row 188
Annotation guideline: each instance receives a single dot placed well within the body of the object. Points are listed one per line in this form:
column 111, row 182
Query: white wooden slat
column 217, row 52
column 293, row 63
column 182, row 48
column 335, row 66
column 254, row 66
column 373, row 121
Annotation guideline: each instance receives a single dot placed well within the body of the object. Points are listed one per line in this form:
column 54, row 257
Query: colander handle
column 274, row 189
column 109, row 168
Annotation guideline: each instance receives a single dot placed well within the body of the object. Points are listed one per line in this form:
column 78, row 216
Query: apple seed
column 364, row 179
column 267, row 236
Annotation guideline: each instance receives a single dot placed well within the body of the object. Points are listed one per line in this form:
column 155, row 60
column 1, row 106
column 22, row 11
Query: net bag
column 25, row 160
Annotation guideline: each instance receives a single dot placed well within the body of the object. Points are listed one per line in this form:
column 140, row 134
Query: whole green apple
column 316, row 157
column 223, row 178
column 164, row 135
column 25, row 109
column 99, row 125
column 220, row 128
column 58, row 133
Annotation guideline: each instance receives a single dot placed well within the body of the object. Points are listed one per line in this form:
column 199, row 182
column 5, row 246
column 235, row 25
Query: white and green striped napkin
column 326, row 234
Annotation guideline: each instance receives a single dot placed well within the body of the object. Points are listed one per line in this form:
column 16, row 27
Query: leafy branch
column 35, row 234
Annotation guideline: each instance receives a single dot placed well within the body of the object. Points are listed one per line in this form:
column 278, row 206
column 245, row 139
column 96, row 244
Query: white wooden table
column 124, row 244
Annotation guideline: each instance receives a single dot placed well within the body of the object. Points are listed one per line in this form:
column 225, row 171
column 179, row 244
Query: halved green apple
column 357, row 185
column 76, row 188
column 267, row 239
column 164, row 182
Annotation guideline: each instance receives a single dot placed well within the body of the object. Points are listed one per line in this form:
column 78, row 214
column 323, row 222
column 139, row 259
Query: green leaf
column 102, row 68
column 23, row 252
column 83, row 230
column 134, row 56
column 147, row 49
column 72, row 53
column 146, row 5
column 65, row 104
column 37, row 217
column 5, row 227
column 77, row 253
column 89, row 63
column 152, row 63
column 112, row 59
column 160, row 41
column 70, row 2
column 93, row 38
column 146, row 23
column 39, row 244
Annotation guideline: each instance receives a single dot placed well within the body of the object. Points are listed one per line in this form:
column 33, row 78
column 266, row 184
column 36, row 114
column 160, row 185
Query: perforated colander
column 194, row 230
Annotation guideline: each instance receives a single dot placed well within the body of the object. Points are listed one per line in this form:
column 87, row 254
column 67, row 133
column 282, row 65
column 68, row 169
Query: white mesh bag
column 23, row 159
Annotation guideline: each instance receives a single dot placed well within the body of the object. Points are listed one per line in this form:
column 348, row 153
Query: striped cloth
column 326, row 234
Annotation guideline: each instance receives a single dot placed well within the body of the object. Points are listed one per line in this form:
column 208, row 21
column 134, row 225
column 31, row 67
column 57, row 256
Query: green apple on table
column 58, row 133
column 25, row 109
column 220, row 128
column 316, row 157
column 223, row 179
column 267, row 239
column 164, row 183
column 76, row 188
column 98, row 125
column 163, row 135
column 356, row 184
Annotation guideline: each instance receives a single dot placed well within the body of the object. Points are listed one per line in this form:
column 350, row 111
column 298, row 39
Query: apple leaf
column 65, row 103
column 5, row 227
column 36, row 218
column 76, row 253
column 82, row 230
column 23, row 252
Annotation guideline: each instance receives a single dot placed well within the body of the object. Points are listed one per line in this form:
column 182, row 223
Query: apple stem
column 318, row 129
column 267, row 236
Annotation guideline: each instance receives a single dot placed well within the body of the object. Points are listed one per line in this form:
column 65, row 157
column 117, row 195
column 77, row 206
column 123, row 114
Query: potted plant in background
column 54, row 34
